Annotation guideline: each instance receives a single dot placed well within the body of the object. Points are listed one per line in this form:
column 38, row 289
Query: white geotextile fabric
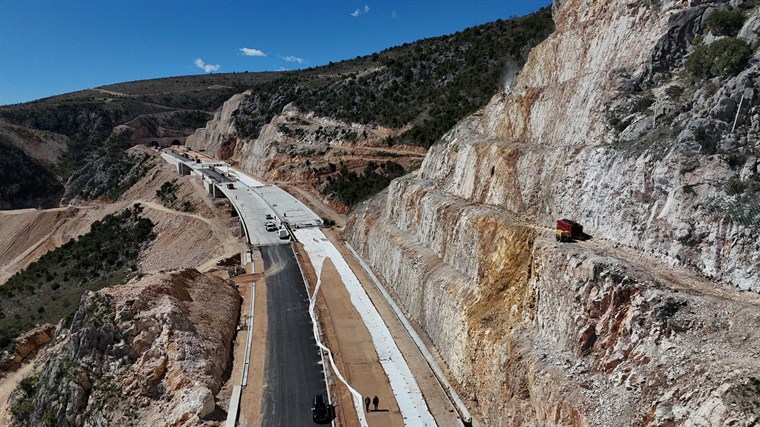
column 357, row 396
column 408, row 395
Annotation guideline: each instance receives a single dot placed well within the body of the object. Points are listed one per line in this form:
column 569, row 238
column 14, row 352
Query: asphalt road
column 293, row 371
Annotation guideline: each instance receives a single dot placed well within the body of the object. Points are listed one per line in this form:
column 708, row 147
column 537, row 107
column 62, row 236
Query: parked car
column 269, row 216
column 321, row 412
column 270, row 226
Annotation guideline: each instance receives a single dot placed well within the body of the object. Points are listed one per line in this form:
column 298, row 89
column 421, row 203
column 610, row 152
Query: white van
column 283, row 234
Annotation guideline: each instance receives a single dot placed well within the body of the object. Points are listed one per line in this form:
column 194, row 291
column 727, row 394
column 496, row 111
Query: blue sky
column 49, row 47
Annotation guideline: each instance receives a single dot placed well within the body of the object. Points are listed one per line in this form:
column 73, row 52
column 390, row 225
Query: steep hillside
column 29, row 183
column 637, row 119
column 49, row 258
column 49, row 140
column 345, row 129
column 396, row 102
column 47, row 290
column 150, row 352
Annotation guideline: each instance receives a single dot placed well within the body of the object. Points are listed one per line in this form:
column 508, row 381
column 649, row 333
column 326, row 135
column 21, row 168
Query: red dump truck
column 567, row 230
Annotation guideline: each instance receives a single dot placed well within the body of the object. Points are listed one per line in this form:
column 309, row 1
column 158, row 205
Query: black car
column 321, row 412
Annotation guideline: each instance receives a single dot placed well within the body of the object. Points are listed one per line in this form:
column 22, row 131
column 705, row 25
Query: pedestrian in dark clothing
column 366, row 403
column 375, row 401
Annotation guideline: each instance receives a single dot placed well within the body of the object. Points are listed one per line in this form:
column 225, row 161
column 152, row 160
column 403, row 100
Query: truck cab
column 567, row 230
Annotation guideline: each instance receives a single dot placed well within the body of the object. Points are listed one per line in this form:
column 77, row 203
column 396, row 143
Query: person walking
column 375, row 401
column 366, row 403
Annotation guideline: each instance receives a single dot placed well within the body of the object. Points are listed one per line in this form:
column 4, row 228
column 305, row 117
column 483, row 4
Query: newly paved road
column 293, row 370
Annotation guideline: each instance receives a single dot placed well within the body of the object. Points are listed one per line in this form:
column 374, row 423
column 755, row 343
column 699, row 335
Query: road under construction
column 294, row 367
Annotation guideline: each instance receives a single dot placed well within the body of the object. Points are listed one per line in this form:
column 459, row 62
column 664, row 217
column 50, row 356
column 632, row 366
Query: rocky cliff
column 219, row 137
column 151, row 352
column 301, row 147
column 609, row 124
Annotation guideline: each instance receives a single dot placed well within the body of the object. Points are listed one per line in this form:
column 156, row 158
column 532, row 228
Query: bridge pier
column 216, row 191
column 184, row 169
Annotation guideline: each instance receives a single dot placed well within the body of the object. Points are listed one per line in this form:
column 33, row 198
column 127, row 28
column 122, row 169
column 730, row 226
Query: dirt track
column 184, row 239
column 9, row 382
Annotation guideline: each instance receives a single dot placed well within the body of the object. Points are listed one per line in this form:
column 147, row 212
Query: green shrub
column 704, row 140
column 167, row 193
column 643, row 102
column 103, row 257
column 674, row 92
column 725, row 22
column 187, row 206
column 430, row 84
column 23, row 405
column 733, row 187
column 351, row 188
column 724, row 57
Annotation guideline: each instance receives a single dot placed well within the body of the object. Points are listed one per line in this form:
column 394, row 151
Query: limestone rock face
column 26, row 344
column 151, row 352
column 300, row 147
column 219, row 137
column 613, row 330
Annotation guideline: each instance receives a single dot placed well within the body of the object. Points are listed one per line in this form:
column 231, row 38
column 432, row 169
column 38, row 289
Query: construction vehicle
column 567, row 230
column 283, row 233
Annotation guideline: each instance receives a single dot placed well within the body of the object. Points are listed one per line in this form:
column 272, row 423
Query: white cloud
column 361, row 11
column 206, row 67
column 252, row 52
column 291, row 58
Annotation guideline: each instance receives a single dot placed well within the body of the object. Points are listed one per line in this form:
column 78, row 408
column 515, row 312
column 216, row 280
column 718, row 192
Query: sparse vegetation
column 109, row 171
column 725, row 57
column 186, row 206
column 741, row 203
column 26, row 182
column 704, row 140
column 725, row 22
column 351, row 188
column 674, row 92
column 167, row 194
column 192, row 119
column 430, row 84
column 733, row 187
column 49, row 289
column 23, row 404
column 643, row 102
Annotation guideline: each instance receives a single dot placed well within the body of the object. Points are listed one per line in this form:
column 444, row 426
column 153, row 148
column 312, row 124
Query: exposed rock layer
column 542, row 333
column 151, row 352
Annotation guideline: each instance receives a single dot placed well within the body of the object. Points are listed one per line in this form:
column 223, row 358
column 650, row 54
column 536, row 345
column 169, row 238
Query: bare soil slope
column 197, row 238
